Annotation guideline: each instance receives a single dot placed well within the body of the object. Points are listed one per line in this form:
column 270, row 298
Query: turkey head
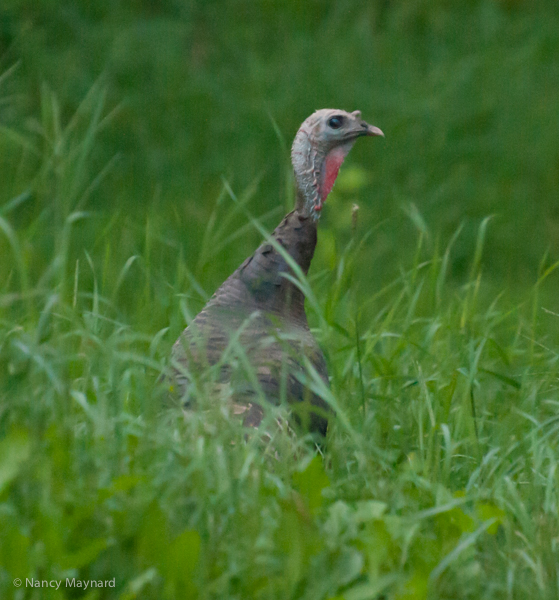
column 319, row 149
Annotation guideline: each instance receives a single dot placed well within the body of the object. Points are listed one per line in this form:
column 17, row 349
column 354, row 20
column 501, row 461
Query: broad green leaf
column 14, row 451
column 488, row 511
column 311, row 482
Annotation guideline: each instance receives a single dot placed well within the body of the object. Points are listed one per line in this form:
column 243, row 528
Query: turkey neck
column 316, row 167
column 263, row 272
column 307, row 157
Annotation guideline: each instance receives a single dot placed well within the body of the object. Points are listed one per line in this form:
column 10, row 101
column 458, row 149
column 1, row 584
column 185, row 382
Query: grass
column 435, row 302
column 438, row 479
column 465, row 91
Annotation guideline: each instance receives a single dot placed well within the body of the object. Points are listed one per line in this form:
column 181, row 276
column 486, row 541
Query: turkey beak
column 371, row 130
column 361, row 128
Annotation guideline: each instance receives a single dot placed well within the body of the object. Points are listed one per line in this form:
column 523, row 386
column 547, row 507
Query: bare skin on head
column 320, row 146
column 262, row 303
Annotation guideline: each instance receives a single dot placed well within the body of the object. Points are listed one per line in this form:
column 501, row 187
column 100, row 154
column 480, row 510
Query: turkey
column 259, row 308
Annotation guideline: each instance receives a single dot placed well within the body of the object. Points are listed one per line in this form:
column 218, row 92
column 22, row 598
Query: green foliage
column 465, row 92
column 439, row 475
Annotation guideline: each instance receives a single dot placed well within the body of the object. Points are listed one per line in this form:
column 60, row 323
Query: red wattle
column 332, row 164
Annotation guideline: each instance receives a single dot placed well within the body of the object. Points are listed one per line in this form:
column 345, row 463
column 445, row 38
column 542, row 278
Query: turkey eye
column 335, row 122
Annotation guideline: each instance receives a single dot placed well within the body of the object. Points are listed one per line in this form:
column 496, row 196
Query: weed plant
column 439, row 476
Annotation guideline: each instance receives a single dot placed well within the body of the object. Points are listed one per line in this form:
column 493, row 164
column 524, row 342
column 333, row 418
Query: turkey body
column 268, row 311
column 254, row 329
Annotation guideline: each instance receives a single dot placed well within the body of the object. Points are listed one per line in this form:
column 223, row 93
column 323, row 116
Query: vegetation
column 142, row 149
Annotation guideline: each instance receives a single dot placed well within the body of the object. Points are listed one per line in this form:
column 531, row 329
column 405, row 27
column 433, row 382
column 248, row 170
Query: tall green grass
column 439, row 474
column 465, row 91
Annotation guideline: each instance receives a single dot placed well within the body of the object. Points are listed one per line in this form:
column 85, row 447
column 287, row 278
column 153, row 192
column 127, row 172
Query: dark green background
column 467, row 93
